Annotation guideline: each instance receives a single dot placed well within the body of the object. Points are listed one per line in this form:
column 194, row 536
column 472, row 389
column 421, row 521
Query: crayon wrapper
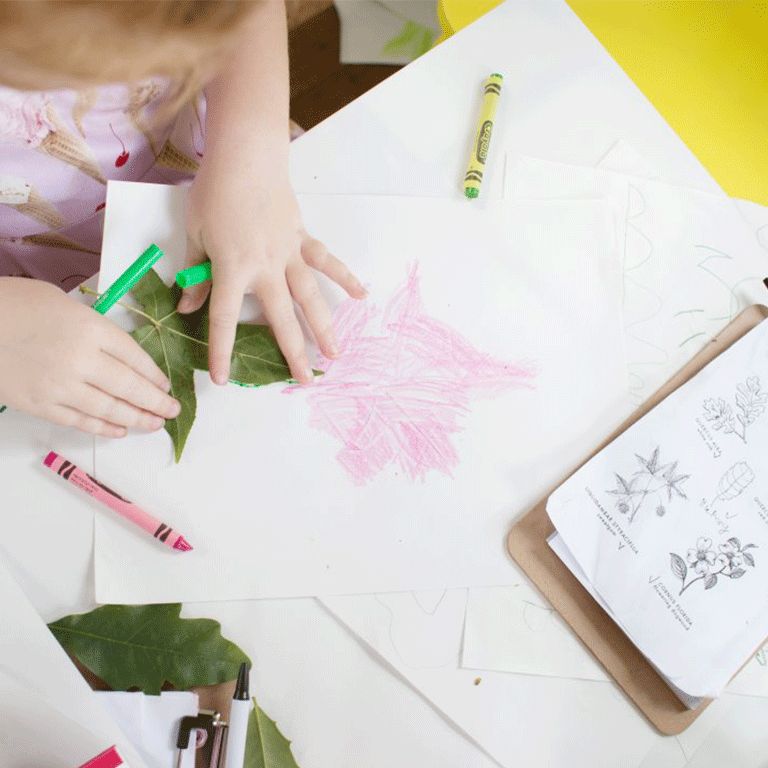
column 482, row 141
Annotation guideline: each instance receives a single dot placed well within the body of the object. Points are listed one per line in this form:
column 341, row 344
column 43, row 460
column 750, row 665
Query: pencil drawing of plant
column 735, row 480
column 655, row 483
column 750, row 404
column 708, row 565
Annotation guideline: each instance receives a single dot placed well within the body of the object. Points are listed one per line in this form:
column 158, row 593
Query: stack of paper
column 48, row 714
column 667, row 524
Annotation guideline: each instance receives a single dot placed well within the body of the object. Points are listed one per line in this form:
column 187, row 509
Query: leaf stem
column 90, row 292
column 699, row 578
column 647, row 491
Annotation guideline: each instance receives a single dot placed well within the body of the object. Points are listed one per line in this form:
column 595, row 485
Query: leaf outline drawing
column 751, row 403
column 734, row 481
column 709, row 565
column 402, row 387
column 663, row 484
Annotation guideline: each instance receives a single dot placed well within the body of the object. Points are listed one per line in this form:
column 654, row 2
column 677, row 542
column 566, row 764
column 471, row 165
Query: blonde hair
column 47, row 44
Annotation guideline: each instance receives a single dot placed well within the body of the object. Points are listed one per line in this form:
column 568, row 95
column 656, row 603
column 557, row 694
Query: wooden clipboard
column 527, row 543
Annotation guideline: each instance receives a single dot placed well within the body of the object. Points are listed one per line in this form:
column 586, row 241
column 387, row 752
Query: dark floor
column 320, row 85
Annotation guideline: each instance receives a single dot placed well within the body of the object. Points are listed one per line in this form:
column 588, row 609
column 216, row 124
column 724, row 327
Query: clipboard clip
column 210, row 735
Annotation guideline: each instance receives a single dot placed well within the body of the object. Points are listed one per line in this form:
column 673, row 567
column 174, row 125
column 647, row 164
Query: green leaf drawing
column 146, row 646
column 179, row 345
column 265, row 746
column 413, row 40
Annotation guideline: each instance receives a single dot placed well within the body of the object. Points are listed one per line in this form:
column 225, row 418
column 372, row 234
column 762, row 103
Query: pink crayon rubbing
column 82, row 480
column 399, row 389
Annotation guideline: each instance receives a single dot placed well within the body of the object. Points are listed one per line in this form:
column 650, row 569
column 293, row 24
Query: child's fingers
column 126, row 349
column 306, row 293
column 93, row 402
column 319, row 257
column 226, row 300
column 194, row 297
column 120, row 381
column 69, row 417
column 278, row 306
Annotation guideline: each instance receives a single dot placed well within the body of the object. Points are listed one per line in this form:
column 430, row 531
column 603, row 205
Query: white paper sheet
column 675, row 751
column 152, row 723
column 622, row 157
column 46, row 523
column 73, row 727
column 739, row 738
column 514, row 629
column 336, row 700
column 36, row 732
column 521, row 720
column 486, row 271
column 690, row 263
column 668, row 521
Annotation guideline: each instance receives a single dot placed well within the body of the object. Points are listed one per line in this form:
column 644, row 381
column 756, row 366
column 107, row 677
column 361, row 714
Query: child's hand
column 256, row 242
column 62, row 361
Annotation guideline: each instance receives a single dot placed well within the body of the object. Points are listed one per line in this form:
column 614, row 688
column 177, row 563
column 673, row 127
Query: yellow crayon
column 474, row 175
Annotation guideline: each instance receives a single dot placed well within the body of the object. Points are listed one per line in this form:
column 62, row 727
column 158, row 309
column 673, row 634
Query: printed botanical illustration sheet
column 670, row 522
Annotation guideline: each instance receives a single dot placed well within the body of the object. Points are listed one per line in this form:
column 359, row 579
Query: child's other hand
column 63, row 362
column 257, row 244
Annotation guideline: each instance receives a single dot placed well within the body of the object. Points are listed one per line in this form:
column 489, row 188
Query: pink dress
column 57, row 151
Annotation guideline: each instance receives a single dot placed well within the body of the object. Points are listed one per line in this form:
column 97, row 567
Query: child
column 91, row 91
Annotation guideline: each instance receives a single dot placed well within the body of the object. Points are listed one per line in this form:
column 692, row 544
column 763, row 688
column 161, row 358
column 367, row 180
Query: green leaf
column 256, row 357
column 265, row 746
column 179, row 345
column 146, row 646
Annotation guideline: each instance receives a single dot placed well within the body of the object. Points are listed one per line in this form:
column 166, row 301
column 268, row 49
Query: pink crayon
column 72, row 474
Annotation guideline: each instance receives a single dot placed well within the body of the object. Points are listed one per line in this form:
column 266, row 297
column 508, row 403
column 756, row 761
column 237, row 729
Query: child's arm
column 243, row 214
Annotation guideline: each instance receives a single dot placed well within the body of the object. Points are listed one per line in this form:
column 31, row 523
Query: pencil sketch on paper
column 398, row 391
column 750, row 405
column 655, row 485
column 735, row 480
column 706, row 565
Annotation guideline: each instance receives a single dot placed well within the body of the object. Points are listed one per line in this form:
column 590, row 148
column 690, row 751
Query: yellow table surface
column 702, row 63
